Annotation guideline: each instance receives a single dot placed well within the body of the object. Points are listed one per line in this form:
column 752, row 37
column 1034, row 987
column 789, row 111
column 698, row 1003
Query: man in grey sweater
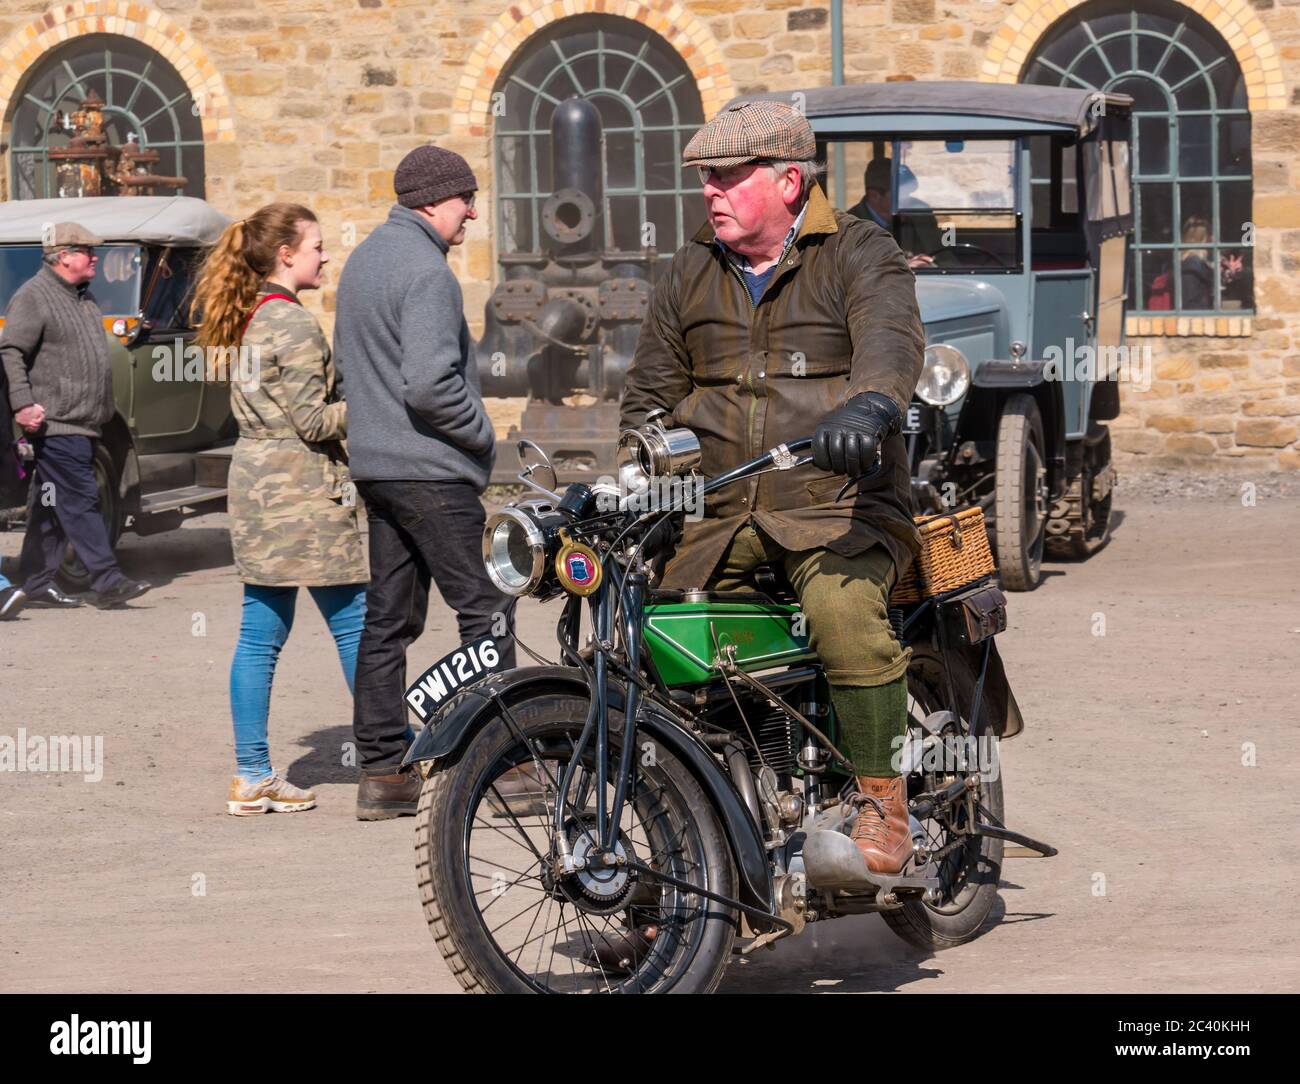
column 55, row 354
column 421, row 448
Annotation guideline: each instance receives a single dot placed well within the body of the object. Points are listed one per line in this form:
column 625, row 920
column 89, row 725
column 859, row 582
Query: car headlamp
column 520, row 543
column 945, row 376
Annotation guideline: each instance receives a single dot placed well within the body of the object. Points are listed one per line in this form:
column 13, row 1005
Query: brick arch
column 668, row 18
column 1236, row 20
column 130, row 19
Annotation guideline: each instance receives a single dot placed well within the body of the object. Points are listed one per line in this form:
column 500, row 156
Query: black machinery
column 562, row 324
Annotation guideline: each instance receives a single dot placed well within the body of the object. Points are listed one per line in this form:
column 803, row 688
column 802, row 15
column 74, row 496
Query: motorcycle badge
column 577, row 566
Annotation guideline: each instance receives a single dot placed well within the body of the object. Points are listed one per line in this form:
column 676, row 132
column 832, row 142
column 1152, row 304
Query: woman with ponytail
column 293, row 520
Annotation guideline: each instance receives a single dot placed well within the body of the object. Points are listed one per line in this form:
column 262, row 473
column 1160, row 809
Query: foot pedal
column 832, row 862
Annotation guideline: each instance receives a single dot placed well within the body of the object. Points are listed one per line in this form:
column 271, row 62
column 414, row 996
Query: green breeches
column 846, row 603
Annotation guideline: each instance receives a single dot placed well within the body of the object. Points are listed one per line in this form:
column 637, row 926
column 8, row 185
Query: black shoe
column 120, row 592
column 383, row 797
column 11, row 601
column 51, row 598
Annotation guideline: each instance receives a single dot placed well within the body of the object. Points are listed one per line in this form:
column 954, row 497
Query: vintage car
column 166, row 452
column 1013, row 204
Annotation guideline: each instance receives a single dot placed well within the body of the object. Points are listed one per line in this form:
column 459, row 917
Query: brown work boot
column 620, row 952
column 882, row 831
column 383, row 797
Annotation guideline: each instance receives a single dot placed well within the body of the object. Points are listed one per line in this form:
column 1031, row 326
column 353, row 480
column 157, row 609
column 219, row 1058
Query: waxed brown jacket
column 838, row 317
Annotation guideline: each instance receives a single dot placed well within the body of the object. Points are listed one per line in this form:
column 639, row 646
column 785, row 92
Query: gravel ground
column 1158, row 681
column 1159, row 485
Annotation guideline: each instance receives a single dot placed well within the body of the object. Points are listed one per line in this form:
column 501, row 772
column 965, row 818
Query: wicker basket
column 954, row 552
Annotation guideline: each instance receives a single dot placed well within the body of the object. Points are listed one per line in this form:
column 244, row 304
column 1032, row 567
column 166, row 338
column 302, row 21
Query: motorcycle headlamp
column 519, row 545
column 945, row 376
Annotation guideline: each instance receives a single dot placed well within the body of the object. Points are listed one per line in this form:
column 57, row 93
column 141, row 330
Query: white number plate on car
column 464, row 666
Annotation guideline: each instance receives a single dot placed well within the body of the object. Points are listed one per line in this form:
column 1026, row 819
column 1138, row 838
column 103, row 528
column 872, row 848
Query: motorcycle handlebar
column 783, row 457
column 765, row 460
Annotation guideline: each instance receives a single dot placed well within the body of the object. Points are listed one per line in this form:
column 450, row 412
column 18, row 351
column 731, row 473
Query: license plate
column 464, row 666
column 912, row 420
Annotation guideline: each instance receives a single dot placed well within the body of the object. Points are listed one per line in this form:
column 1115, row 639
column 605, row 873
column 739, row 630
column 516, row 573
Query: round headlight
column 514, row 551
column 945, row 376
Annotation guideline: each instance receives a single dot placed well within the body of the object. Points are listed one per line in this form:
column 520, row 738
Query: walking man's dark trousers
column 63, row 507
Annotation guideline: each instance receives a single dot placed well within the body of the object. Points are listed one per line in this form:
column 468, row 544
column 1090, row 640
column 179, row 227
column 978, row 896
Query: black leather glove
column 847, row 439
column 663, row 537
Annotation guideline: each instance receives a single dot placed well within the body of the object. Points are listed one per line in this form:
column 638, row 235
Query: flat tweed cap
column 751, row 130
column 68, row 235
column 429, row 174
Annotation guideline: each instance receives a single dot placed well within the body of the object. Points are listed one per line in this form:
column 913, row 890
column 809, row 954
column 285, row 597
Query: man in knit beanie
column 421, row 449
column 54, row 350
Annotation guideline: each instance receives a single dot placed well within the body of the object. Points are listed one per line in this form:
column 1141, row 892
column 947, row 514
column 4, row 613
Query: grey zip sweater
column 406, row 361
column 55, row 352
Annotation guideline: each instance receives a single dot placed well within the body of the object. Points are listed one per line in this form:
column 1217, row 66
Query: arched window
column 649, row 107
column 145, row 100
column 1191, row 145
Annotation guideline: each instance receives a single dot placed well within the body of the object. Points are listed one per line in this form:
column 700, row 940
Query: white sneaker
column 272, row 795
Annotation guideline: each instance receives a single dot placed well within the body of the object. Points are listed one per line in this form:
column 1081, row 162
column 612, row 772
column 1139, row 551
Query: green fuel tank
column 680, row 640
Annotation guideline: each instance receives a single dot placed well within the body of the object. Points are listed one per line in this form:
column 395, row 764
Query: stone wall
column 317, row 101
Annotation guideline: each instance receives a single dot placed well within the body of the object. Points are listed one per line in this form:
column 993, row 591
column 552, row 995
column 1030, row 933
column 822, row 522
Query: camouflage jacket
column 293, row 510
column 838, row 317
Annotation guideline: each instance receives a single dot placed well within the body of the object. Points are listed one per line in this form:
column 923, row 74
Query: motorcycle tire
column 971, row 889
column 692, row 945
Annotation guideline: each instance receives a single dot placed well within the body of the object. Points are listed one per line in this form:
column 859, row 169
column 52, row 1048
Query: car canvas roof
column 159, row 220
column 952, row 105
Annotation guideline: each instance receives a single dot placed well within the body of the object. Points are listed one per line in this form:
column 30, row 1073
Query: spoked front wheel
column 507, row 920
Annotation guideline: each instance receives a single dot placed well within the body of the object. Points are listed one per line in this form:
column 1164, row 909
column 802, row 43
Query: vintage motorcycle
column 615, row 823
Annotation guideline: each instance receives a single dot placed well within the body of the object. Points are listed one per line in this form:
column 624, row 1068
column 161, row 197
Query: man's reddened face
column 744, row 201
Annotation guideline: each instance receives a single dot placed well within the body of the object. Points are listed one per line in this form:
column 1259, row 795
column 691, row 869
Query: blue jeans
column 268, row 617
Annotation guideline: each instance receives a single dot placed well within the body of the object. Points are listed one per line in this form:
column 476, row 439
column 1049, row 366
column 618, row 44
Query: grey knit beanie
column 431, row 173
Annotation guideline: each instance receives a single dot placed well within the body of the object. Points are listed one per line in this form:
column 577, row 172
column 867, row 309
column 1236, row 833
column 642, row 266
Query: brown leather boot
column 882, row 831
column 383, row 797
column 620, row 952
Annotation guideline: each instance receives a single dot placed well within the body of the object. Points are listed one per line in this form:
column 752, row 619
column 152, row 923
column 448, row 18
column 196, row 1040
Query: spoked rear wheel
column 502, row 917
column 969, row 866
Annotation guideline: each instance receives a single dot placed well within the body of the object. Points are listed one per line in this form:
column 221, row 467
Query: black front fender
column 455, row 726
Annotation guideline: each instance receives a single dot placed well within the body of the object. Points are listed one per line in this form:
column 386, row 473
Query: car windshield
column 116, row 286
column 951, row 204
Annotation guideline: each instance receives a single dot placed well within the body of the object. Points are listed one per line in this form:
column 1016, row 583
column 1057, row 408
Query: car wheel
column 1020, row 494
column 73, row 575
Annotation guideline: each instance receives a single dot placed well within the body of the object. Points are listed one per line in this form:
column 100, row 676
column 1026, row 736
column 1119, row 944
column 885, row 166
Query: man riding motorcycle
column 782, row 317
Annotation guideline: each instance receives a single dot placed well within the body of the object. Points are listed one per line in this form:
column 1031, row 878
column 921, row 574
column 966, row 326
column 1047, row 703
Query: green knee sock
column 871, row 719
